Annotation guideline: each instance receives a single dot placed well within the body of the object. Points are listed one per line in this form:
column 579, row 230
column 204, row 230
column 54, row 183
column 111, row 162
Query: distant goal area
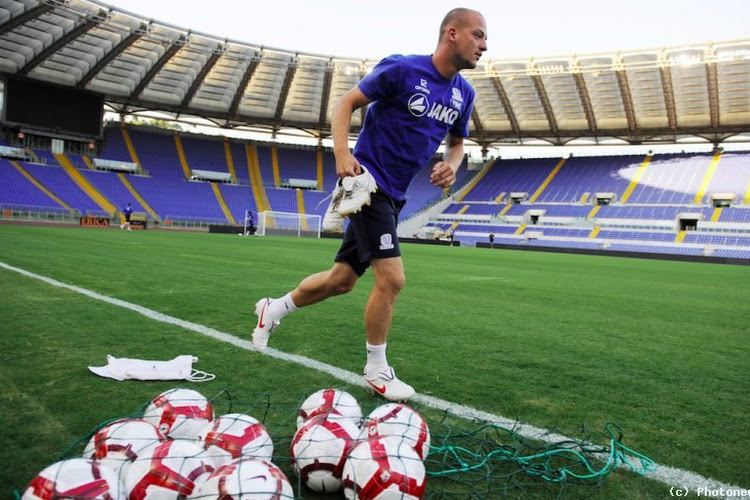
column 273, row 223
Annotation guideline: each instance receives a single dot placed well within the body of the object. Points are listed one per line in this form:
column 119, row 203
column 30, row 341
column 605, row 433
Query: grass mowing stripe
column 671, row 476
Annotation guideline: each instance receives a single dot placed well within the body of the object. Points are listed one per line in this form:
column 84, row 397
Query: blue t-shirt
column 414, row 107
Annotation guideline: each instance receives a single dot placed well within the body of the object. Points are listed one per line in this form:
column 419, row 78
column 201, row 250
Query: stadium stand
column 58, row 182
column 16, row 190
column 658, row 190
column 664, row 194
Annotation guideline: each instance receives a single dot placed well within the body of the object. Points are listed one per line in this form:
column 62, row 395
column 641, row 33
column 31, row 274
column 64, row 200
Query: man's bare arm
column 341, row 121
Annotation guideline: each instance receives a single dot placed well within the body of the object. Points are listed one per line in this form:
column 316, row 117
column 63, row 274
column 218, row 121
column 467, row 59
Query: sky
column 516, row 29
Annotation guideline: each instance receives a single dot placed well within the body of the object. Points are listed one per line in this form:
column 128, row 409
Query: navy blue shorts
column 371, row 233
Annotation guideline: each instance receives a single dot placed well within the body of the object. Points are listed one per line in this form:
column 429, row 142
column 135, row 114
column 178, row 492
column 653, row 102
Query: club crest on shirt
column 457, row 101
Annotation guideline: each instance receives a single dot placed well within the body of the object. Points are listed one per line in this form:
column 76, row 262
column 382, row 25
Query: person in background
column 127, row 212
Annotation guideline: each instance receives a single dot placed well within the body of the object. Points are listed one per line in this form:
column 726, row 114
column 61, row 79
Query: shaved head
column 456, row 18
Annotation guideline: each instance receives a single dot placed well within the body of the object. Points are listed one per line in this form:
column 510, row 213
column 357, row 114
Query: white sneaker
column 356, row 192
column 332, row 220
column 387, row 385
column 266, row 324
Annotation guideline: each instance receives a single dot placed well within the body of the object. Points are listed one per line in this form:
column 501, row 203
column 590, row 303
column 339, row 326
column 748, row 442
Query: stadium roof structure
column 641, row 96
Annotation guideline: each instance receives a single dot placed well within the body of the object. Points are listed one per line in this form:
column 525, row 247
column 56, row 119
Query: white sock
column 281, row 307
column 376, row 360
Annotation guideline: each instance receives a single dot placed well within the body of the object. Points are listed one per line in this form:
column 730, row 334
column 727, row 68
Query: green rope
column 540, row 464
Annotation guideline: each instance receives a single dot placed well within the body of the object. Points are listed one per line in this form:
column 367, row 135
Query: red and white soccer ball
column 179, row 413
column 245, row 479
column 384, row 468
column 236, row 435
column 168, row 470
column 319, row 450
column 397, row 419
column 332, row 402
column 119, row 443
column 78, row 478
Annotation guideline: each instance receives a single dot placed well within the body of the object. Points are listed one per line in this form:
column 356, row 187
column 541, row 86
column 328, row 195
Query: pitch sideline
column 677, row 478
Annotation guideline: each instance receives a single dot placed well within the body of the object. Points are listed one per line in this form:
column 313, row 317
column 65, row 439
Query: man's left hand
column 443, row 175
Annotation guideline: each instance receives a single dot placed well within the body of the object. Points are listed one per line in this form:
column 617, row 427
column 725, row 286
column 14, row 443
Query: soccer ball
column 319, row 450
column 245, row 479
column 179, row 413
column 236, row 435
column 397, row 419
column 117, row 444
column 333, row 402
column 384, row 468
column 168, row 470
column 75, row 478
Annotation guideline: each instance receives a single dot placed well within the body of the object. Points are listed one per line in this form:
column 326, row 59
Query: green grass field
column 558, row 341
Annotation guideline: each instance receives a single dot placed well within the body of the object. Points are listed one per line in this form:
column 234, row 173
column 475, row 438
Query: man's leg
column 338, row 280
column 389, row 280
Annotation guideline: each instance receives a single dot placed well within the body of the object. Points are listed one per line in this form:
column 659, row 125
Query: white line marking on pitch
column 671, row 476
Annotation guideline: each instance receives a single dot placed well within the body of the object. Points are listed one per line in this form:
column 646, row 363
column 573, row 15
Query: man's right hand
column 347, row 165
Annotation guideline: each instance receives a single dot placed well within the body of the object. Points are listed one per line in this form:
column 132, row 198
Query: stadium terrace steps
column 131, row 148
column 230, row 161
column 300, row 202
column 88, row 162
column 546, row 182
column 636, row 179
column 181, row 155
column 275, row 166
column 86, row 186
column 698, row 200
column 223, row 204
column 461, row 211
column 256, row 179
column 717, row 214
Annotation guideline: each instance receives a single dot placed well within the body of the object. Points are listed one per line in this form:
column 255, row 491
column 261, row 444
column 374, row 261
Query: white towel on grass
column 179, row 368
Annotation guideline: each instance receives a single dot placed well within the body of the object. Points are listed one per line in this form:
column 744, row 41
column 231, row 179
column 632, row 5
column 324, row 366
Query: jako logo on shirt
column 419, row 104
column 386, row 241
column 442, row 113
